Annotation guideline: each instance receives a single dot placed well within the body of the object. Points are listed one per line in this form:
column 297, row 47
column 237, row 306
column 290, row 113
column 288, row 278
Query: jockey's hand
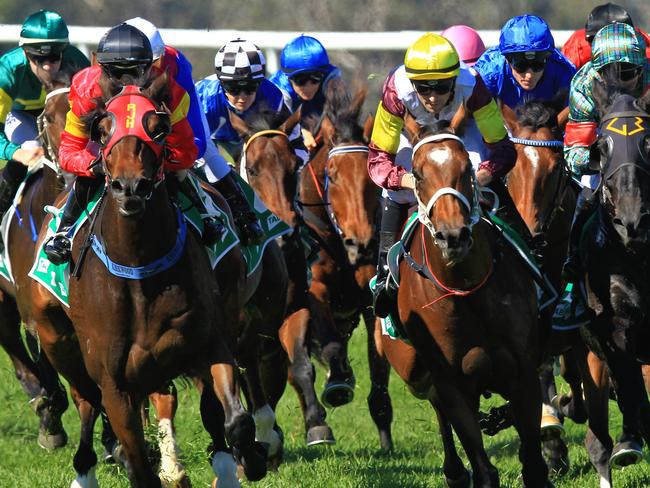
column 29, row 157
column 408, row 181
column 308, row 139
column 483, row 177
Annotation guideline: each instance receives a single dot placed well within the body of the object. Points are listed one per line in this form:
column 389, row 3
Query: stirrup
column 58, row 248
column 250, row 229
column 213, row 231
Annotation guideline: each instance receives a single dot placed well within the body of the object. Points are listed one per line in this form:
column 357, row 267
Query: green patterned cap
column 44, row 27
column 617, row 43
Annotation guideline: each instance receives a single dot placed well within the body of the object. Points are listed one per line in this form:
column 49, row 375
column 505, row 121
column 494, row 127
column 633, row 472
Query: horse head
column 540, row 179
column 621, row 155
column 445, row 187
column 131, row 128
column 270, row 160
column 351, row 193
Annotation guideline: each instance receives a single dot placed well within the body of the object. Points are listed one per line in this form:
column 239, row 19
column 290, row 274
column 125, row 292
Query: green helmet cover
column 44, row 32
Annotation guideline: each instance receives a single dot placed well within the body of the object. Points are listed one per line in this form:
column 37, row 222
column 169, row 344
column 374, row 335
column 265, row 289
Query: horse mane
column 265, row 119
column 536, row 114
column 343, row 111
column 442, row 126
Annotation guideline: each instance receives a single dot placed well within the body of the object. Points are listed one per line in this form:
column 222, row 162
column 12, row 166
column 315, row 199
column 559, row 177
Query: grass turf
column 354, row 462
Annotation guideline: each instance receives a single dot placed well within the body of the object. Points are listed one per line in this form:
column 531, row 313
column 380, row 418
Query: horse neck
column 138, row 241
column 312, row 183
column 462, row 275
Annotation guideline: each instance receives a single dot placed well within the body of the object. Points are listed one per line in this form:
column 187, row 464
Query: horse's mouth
column 132, row 207
column 456, row 255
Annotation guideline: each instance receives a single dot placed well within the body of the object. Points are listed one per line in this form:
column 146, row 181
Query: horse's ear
column 510, row 118
column 563, row 118
column 93, row 58
column 644, row 102
column 158, row 88
column 288, row 125
column 600, row 94
column 327, row 130
column 359, row 98
column 240, row 126
column 367, row 127
column 412, row 128
column 458, row 120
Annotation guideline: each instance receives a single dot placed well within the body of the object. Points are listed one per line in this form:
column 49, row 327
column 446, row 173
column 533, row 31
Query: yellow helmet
column 431, row 57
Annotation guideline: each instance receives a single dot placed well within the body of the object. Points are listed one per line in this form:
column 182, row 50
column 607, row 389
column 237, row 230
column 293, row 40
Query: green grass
column 353, row 462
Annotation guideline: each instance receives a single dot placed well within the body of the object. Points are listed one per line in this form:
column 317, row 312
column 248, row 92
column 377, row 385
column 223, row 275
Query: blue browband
column 536, row 143
column 148, row 270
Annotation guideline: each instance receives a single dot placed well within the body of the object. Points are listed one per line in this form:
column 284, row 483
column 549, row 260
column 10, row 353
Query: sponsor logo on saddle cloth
column 56, row 278
column 24, row 221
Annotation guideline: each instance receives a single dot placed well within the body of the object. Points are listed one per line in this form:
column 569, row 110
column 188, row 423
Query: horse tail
column 477, row 363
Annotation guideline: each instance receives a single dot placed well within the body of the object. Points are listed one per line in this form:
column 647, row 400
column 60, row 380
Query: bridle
column 44, row 136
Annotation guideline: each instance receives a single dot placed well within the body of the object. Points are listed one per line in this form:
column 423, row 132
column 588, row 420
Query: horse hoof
column 49, row 441
column 386, row 441
column 321, row 434
column 550, row 428
column 463, row 481
column 253, row 460
column 625, row 453
column 556, row 456
column 337, row 394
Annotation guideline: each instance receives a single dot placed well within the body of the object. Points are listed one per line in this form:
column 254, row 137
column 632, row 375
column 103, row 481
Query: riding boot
column 572, row 270
column 213, row 229
column 12, row 176
column 59, row 246
column 385, row 290
column 250, row 229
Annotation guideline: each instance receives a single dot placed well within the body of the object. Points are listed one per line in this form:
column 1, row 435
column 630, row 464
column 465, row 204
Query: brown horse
column 137, row 334
column 540, row 185
column 340, row 204
column 469, row 309
column 271, row 168
column 38, row 379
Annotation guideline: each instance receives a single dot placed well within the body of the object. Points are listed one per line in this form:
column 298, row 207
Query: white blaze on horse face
column 440, row 155
column 532, row 155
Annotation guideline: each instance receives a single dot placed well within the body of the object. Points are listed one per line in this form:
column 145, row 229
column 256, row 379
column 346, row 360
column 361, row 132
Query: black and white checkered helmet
column 239, row 60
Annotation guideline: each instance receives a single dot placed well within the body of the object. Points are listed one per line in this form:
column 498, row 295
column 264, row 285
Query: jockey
column 525, row 65
column 239, row 86
column 305, row 75
column 124, row 57
column 578, row 47
column 43, row 53
column 167, row 58
column 467, row 41
column 616, row 48
column 432, row 84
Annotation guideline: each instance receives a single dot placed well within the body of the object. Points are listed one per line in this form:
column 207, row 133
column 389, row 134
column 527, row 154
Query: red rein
column 439, row 284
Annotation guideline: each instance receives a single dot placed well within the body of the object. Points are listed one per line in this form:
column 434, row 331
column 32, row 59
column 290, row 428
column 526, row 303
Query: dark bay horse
column 470, row 312
column 340, row 204
column 616, row 244
column 271, row 167
column 38, row 379
column 541, row 187
column 123, row 338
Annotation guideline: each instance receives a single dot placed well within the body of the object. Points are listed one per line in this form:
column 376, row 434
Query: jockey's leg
column 572, row 270
column 58, row 247
column 213, row 230
column 393, row 217
column 12, row 176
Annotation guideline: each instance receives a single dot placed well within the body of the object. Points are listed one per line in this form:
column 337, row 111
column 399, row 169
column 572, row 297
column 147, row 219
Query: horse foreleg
column 456, row 475
column 379, row 402
column 525, row 399
column 293, row 337
column 171, row 472
column 85, row 459
column 595, row 380
column 124, row 415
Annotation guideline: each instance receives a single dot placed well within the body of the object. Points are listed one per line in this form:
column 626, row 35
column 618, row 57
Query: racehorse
column 271, row 167
column 123, row 338
column 541, row 187
column 340, row 205
column 38, row 379
column 469, row 310
column 614, row 252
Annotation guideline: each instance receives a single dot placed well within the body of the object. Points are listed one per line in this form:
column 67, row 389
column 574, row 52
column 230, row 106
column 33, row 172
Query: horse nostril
column 116, row 186
column 440, row 236
column 465, row 234
column 349, row 242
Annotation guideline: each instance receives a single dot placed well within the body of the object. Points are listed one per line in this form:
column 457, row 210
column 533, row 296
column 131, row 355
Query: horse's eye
column 416, row 175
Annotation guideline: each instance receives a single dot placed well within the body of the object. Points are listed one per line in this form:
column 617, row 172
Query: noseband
column 425, row 210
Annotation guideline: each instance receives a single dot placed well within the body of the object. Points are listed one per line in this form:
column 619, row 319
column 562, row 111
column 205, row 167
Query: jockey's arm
column 490, row 123
column 76, row 151
column 581, row 130
column 382, row 149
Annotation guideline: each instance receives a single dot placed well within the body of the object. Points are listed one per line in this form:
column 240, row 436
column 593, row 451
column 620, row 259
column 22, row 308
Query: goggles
column 238, row 87
column 429, row 87
column 533, row 61
column 45, row 58
column 304, row 78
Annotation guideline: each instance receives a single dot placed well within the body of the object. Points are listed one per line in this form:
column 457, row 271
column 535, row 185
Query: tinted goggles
column 521, row 65
column 117, row 71
column 238, row 87
column 629, row 72
column 304, row 78
column 429, row 87
column 45, row 58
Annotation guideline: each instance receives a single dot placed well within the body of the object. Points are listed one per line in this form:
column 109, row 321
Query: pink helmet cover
column 467, row 42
